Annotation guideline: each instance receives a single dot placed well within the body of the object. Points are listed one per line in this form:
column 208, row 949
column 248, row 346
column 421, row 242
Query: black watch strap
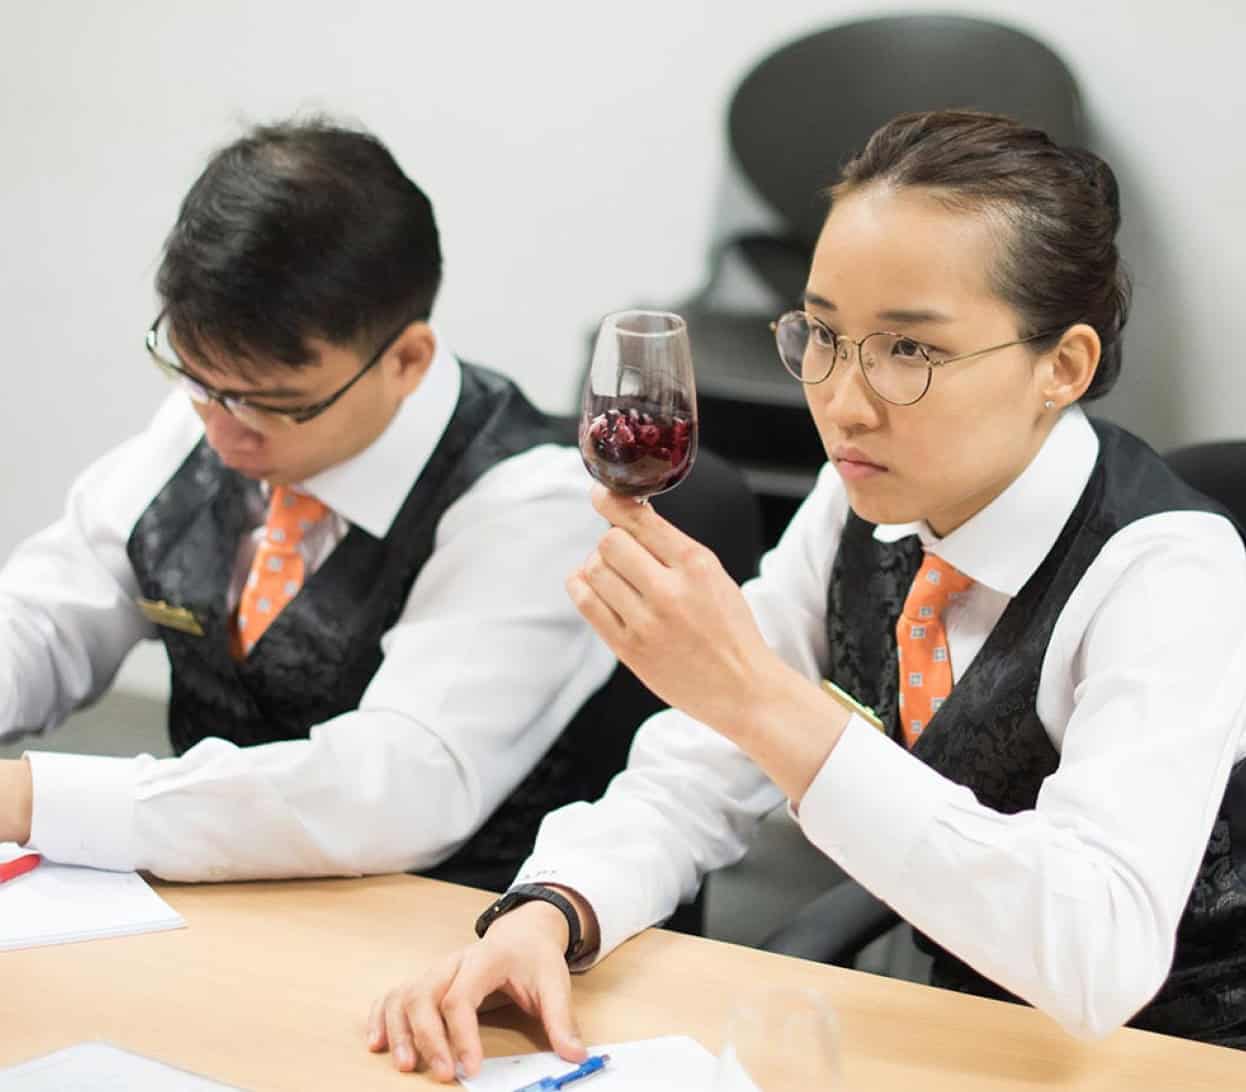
column 531, row 892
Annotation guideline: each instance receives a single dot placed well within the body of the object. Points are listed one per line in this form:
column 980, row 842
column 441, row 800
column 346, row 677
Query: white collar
column 1003, row 545
column 368, row 489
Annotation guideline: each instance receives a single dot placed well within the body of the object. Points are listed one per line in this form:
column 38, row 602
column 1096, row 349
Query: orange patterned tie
column 277, row 570
column 925, row 664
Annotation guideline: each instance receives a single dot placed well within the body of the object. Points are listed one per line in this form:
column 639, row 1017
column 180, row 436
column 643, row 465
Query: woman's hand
column 431, row 1022
column 671, row 613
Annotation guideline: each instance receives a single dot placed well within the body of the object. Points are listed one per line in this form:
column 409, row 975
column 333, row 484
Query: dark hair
column 1060, row 208
column 299, row 229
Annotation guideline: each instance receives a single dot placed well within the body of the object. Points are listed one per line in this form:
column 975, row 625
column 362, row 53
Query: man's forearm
column 16, row 795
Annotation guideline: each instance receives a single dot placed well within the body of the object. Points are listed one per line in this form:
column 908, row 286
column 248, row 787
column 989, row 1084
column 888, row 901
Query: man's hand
column 431, row 1022
column 16, row 800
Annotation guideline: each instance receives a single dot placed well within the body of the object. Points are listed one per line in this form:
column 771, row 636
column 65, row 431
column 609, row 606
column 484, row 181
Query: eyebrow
column 250, row 396
column 905, row 316
column 299, row 397
column 913, row 317
column 268, row 395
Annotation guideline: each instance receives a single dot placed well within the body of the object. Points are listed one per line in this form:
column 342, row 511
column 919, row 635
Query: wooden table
column 270, row 985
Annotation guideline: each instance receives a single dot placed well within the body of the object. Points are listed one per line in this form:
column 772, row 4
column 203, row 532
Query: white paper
column 58, row 904
column 731, row 1075
column 644, row 1065
column 99, row 1067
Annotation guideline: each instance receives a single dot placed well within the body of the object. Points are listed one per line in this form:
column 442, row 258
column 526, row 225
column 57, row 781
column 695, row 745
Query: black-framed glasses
column 253, row 414
column 897, row 368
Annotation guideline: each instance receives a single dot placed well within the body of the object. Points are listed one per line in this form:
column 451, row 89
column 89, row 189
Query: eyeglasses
column 897, row 368
column 252, row 414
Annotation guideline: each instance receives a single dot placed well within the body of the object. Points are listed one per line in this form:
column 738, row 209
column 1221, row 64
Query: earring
column 1049, row 404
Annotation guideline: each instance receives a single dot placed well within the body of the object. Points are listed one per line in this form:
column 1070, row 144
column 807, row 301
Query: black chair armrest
column 834, row 927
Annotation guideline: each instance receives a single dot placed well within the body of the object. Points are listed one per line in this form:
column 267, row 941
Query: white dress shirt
column 1072, row 906
column 485, row 666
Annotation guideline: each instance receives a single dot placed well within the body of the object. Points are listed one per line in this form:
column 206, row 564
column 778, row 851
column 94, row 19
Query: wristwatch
column 853, row 706
column 533, row 892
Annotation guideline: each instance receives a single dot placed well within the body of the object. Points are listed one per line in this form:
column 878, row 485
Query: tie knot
column 290, row 515
column 935, row 584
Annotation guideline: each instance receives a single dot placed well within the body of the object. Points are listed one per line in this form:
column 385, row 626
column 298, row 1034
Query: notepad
column 60, row 904
column 643, row 1065
column 101, row 1067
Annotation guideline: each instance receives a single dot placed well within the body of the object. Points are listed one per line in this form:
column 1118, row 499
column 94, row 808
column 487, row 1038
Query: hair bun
column 1102, row 178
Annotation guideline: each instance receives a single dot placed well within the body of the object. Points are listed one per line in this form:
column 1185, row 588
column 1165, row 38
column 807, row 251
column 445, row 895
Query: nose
column 844, row 401
column 225, row 432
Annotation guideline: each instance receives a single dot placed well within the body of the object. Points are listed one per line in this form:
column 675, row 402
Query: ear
column 1070, row 365
column 411, row 354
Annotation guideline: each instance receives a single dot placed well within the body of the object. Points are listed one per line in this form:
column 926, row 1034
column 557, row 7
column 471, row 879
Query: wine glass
column 638, row 420
column 783, row 1040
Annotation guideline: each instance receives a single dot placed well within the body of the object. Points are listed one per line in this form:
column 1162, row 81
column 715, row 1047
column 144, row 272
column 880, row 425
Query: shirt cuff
column 870, row 805
column 606, row 894
column 83, row 810
column 9, row 704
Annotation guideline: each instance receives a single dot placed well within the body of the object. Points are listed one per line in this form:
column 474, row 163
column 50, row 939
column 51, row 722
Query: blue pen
column 595, row 1064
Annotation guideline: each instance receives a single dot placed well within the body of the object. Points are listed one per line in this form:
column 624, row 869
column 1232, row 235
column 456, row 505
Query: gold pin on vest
column 162, row 614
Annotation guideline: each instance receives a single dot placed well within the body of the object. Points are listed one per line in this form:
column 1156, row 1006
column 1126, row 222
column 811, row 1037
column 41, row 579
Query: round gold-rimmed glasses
column 897, row 368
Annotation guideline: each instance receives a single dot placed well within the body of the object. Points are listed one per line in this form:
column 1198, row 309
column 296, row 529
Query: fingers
column 398, row 1033
column 463, row 1027
column 428, row 1032
column 459, row 1009
column 433, row 1022
column 662, row 539
column 619, row 551
column 596, row 612
column 554, row 1001
column 612, row 585
column 377, row 1038
column 647, row 551
column 408, row 1021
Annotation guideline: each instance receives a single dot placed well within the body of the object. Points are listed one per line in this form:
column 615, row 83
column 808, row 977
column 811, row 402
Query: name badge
column 162, row 614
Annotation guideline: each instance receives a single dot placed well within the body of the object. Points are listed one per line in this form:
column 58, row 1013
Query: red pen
column 10, row 870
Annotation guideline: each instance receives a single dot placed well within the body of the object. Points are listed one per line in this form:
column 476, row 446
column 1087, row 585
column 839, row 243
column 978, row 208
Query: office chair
column 836, row 926
column 1217, row 470
column 715, row 506
column 793, row 121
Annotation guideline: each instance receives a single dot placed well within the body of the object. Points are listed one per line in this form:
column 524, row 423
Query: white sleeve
column 67, row 611
column 689, row 800
column 1074, row 905
column 487, row 664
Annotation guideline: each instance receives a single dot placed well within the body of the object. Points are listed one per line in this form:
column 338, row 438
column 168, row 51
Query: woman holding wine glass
column 995, row 663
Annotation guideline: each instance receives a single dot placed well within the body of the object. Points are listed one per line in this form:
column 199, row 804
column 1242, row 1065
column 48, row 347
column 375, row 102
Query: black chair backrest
column 1217, row 470
column 801, row 113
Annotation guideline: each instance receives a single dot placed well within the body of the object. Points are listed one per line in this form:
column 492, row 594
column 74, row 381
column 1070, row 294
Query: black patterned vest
column 322, row 650
column 988, row 736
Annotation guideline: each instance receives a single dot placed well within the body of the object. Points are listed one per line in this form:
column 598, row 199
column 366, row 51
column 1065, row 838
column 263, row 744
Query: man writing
column 352, row 546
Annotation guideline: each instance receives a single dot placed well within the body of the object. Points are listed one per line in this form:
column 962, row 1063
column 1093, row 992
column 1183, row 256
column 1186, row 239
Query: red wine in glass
column 638, row 420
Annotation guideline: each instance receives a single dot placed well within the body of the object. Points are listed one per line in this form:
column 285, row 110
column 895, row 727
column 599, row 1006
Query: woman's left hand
column 670, row 612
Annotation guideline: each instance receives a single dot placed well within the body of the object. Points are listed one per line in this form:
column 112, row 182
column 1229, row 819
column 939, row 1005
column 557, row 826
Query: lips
column 845, row 453
column 854, row 465
column 244, row 464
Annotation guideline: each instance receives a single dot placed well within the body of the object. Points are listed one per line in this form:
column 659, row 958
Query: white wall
column 575, row 155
